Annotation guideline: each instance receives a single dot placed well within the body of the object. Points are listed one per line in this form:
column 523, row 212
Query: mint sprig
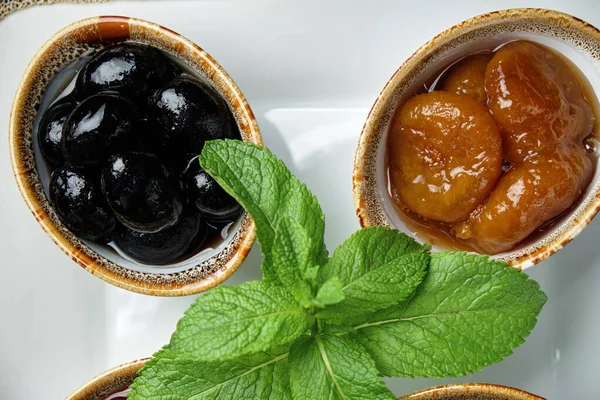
column 292, row 257
column 377, row 267
column 334, row 367
column 265, row 187
column 469, row 312
column 262, row 375
column 329, row 328
column 232, row 321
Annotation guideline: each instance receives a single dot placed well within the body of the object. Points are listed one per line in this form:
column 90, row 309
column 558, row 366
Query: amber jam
column 494, row 150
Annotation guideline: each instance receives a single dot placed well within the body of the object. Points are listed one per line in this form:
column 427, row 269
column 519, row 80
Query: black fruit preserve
column 76, row 197
column 101, row 123
column 132, row 69
column 187, row 113
column 123, row 148
column 141, row 191
column 50, row 132
column 164, row 245
column 205, row 193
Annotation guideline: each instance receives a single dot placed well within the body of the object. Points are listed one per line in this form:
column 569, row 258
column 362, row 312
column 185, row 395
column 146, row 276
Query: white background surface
column 310, row 70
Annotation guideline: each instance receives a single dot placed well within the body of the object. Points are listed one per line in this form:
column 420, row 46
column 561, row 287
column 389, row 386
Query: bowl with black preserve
column 105, row 133
column 486, row 139
column 110, row 385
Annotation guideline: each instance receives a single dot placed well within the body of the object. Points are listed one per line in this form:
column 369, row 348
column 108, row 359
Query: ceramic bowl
column 199, row 272
column 109, row 383
column 572, row 37
column 120, row 378
column 471, row 391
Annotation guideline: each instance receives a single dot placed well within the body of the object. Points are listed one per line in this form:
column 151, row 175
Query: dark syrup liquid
column 63, row 84
column 120, row 395
column 442, row 234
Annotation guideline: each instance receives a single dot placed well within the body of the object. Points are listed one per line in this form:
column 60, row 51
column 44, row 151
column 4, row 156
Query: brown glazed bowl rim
column 117, row 378
column 476, row 389
column 105, row 30
column 367, row 201
column 122, row 376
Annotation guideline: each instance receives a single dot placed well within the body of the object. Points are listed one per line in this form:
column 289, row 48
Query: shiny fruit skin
column 211, row 200
column 526, row 197
column 163, row 246
column 77, row 200
column 50, row 132
column 99, row 124
column 444, row 155
column 537, row 100
column 132, row 69
column 142, row 192
column 468, row 77
column 188, row 112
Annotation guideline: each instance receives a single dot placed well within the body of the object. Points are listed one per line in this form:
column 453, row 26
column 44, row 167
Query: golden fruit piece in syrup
column 536, row 99
column 526, row 197
column 468, row 77
column 444, row 155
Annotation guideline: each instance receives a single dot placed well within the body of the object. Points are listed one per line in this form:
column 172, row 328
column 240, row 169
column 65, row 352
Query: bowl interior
column 429, row 61
column 60, row 85
column 50, row 71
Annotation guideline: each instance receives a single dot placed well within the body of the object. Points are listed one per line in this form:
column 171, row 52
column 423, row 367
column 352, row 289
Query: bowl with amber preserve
column 471, row 391
column 486, row 138
column 105, row 132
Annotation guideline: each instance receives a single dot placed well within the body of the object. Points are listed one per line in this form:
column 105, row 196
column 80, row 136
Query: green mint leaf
column 292, row 255
column 334, row 367
column 264, row 186
column 378, row 267
column 468, row 313
column 311, row 274
column 331, row 292
column 258, row 376
column 228, row 322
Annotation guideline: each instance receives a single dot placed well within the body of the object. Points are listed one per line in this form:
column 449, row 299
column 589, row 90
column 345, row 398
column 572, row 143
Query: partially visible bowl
column 118, row 380
column 471, row 391
column 193, row 275
column 109, row 383
column 572, row 37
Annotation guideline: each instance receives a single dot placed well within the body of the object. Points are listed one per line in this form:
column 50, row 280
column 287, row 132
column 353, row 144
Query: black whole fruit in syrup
column 142, row 192
column 188, row 112
column 207, row 195
column 100, row 123
column 76, row 197
column 130, row 103
column 132, row 69
column 163, row 246
column 50, row 131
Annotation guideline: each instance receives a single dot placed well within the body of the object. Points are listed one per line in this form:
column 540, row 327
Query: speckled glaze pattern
column 367, row 201
column 8, row 7
column 109, row 382
column 471, row 391
column 65, row 46
column 121, row 377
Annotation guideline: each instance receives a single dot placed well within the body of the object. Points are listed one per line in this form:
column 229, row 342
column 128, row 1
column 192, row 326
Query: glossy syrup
column 120, row 395
column 441, row 234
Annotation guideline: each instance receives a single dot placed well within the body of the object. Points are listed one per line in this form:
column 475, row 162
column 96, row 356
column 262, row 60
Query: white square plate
column 311, row 70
